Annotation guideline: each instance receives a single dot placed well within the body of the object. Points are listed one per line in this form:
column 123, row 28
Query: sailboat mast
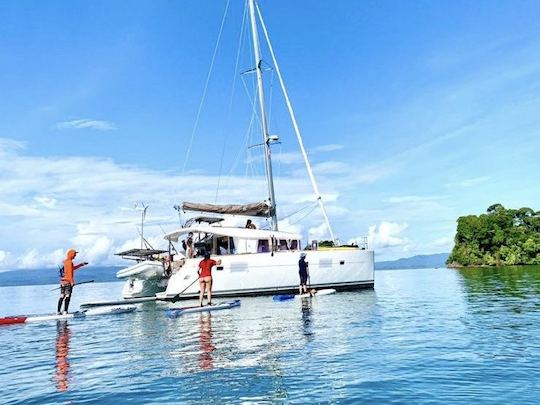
column 264, row 122
column 297, row 130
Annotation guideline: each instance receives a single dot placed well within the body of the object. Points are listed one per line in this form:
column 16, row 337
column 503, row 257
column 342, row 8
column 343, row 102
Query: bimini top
column 140, row 253
column 260, row 209
column 208, row 220
column 233, row 232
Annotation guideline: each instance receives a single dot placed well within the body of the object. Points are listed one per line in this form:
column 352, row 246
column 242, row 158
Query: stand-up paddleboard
column 55, row 317
column 11, row 320
column 283, row 297
column 286, row 297
column 126, row 301
column 79, row 314
column 326, row 291
column 121, row 309
column 176, row 312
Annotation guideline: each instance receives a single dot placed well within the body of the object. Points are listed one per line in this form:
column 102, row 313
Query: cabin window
column 283, row 245
column 294, row 244
column 263, row 246
column 225, row 246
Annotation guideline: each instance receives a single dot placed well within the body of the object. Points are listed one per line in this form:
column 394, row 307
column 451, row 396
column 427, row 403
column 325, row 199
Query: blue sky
column 413, row 113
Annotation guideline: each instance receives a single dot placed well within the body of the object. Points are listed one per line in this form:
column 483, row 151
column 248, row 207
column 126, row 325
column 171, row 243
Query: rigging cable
column 313, row 207
column 249, row 130
column 297, row 211
column 233, row 86
column 196, row 125
column 296, row 129
column 255, row 114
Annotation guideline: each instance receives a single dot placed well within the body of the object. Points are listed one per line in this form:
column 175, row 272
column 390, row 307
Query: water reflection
column 62, row 375
column 307, row 327
column 206, row 361
column 509, row 281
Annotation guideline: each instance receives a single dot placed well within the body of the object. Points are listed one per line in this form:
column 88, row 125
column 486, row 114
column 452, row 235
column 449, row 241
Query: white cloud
column 289, row 226
column 416, row 200
column 15, row 210
column 387, row 234
column 54, row 204
column 471, row 182
column 285, row 158
column 87, row 123
column 4, row 257
column 10, row 145
column 30, row 260
column 445, row 242
column 404, row 199
column 331, row 167
column 328, row 148
column 46, row 201
column 319, row 232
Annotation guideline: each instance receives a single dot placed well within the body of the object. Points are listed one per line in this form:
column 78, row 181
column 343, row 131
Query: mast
column 297, row 130
column 264, row 123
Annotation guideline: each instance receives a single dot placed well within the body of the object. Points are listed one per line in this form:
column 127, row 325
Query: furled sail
column 260, row 209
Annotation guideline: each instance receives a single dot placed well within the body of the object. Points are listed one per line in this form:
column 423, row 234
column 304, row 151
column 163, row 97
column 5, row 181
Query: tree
column 500, row 237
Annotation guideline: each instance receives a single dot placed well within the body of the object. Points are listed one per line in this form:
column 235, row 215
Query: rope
column 205, row 87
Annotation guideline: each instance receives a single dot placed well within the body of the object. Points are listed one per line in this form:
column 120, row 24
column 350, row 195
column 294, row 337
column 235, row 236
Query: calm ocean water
column 433, row 335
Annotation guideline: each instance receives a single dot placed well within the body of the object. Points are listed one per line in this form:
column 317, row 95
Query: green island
column 498, row 238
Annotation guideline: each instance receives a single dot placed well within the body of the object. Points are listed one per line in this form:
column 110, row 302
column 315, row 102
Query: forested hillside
column 500, row 237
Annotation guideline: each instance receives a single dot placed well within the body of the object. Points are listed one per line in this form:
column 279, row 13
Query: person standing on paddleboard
column 205, row 278
column 67, row 280
column 303, row 272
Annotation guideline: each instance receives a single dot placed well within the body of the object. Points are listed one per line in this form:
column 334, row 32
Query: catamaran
column 253, row 261
column 263, row 261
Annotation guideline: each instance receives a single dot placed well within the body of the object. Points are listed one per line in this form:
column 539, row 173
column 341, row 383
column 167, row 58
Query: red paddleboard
column 10, row 320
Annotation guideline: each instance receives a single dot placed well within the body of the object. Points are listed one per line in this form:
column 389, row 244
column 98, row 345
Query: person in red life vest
column 67, row 280
column 205, row 278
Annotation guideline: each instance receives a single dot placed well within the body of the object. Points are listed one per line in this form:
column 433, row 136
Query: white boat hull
column 144, row 270
column 144, row 279
column 137, row 288
column 267, row 273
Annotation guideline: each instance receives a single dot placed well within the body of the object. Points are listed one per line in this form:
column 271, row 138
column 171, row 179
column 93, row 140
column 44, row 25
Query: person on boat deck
column 303, row 271
column 67, row 281
column 205, row 278
column 189, row 246
column 167, row 265
column 250, row 225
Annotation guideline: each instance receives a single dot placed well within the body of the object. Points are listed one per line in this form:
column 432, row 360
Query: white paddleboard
column 120, row 309
column 326, row 291
column 55, row 317
column 82, row 314
column 175, row 312
column 127, row 301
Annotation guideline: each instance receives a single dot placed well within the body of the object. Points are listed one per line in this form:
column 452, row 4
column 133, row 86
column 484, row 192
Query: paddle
column 177, row 296
column 82, row 282
column 308, row 277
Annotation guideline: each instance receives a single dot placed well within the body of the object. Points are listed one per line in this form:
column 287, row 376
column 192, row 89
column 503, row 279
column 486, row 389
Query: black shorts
column 303, row 278
column 65, row 289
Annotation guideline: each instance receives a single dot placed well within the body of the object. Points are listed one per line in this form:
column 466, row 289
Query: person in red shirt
column 67, row 280
column 205, row 278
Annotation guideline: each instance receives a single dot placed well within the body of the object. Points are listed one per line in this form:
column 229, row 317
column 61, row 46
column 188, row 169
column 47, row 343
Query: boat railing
column 361, row 244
